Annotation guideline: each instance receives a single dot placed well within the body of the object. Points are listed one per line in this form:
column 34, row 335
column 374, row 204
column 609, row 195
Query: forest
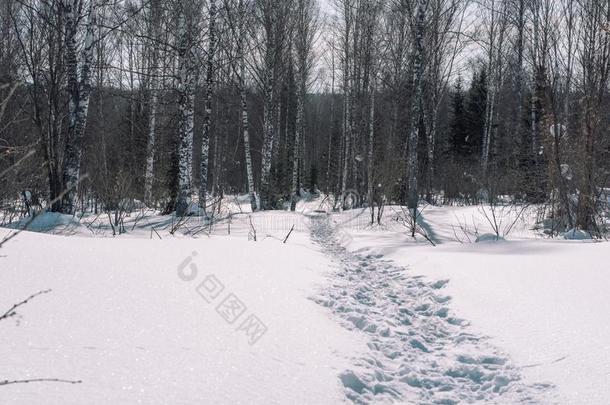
column 304, row 202
column 107, row 105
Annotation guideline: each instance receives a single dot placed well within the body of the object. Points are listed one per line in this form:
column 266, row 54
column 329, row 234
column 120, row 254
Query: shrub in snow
column 45, row 222
column 483, row 195
column 195, row 210
column 488, row 237
column 552, row 226
column 577, row 234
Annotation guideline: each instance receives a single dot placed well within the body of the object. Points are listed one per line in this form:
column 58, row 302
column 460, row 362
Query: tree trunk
column 244, row 108
column 153, row 101
column 205, row 143
column 269, row 107
column 416, row 112
column 268, row 134
column 79, row 89
column 150, row 147
column 371, row 144
column 299, row 130
column 186, row 117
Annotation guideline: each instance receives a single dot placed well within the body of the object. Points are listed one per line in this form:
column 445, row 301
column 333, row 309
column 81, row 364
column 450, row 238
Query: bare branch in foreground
column 13, row 310
column 31, row 380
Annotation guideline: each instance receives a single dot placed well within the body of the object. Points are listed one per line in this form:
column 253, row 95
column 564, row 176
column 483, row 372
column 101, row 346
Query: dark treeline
column 176, row 103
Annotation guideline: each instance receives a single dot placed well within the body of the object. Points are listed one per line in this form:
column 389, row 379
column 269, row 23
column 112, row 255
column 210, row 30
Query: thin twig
column 30, row 380
column 287, row 236
column 12, row 311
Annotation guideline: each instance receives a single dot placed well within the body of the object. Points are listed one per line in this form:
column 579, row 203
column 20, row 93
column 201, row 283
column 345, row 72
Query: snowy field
column 541, row 301
column 341, row 312
column 121, row 319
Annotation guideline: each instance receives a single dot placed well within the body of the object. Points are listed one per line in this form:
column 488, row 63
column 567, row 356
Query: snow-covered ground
column 340, row 312
column 122, row 319
column 544, row 302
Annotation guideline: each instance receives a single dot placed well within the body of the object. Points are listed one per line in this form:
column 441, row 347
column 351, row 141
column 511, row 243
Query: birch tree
column 304, row 36
column 186, row 94
column 79, row 89
column 244, row 103
column 273, row 18
column 346, row 8
column 416, row 108
column 205, row 143
column 371, row 144
column 154, row 22
column 496, row 28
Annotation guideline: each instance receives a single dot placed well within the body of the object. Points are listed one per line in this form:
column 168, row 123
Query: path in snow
column 419, row 352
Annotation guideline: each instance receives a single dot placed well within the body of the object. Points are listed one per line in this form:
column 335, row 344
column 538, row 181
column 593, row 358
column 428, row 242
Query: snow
column 576, row 234
column 347, row 311
column 120, row 319
column 489, row 237
column 47, row 222
column 542, row 301
column 420, row 352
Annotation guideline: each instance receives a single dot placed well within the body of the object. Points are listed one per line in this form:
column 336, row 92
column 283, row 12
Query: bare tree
column 205, row 143
column 186, row 92
column 416, row 107
column 497, row 24
column 154, row 22
column 79, row 88
column 306, row 25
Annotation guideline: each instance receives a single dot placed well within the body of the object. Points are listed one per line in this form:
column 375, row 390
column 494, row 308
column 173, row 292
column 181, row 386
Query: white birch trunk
column 536, row 61
column 347, row 102
column 487, row 129
column 370, row 185
column 268, row 134
column 244, row 107
column 153, row 104
column 329, row 187
column 150, row 147
column 347, row 133
column 490, row 98
column 205, row 144
column 186, row 117
column 416, row 111
column 269, row 109
column 79, row 89
column 494, row 77
column 299, row 131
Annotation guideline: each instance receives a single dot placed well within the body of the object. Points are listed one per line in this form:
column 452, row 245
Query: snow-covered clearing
column 120, row 319
column 344, row 312
column 541, row 301
column 419, row 351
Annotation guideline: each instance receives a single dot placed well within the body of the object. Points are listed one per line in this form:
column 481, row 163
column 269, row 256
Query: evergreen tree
column 313, row 178
column 477, row 96
column 459, row 123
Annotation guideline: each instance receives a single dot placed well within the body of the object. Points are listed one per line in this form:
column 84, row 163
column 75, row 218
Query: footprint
column 439, row 284
column 351, row 381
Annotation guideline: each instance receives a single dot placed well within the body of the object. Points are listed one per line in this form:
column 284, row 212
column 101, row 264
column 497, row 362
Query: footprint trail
column 419, row 352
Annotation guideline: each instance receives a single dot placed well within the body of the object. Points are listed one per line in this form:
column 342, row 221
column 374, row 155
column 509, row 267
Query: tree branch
column 12, row 311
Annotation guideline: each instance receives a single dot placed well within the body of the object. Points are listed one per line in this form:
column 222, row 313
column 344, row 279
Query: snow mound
column 195, row 210
column 46, row 222
column 315, row 213
column 577, row 234
column 489, row 237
